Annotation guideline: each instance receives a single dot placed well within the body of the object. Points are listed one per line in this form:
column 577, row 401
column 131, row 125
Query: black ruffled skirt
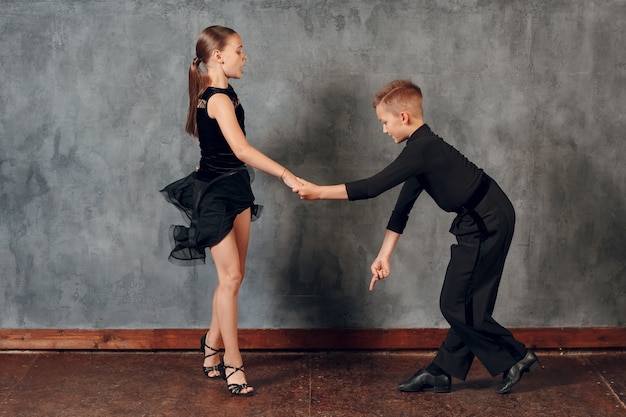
column 211, row 208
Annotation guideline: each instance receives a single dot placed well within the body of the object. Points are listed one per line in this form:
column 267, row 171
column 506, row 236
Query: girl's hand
column 306, row 190
column 289, row 179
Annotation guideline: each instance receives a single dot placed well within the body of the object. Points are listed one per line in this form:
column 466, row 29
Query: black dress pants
column 470, row 288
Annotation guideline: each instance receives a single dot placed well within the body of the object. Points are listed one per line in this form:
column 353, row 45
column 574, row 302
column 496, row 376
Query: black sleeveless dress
column 215, row 194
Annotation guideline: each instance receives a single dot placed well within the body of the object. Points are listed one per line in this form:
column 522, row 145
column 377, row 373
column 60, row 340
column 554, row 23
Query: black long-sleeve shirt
column 428, row 163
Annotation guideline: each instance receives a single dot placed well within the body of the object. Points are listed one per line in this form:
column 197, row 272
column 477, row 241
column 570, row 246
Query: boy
column 483, row 228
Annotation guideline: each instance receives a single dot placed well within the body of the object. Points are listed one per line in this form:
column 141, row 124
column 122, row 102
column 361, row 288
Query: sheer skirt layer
column 210, row 207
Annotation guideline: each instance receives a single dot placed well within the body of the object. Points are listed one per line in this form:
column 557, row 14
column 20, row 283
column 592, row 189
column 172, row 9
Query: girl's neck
column 218, row 79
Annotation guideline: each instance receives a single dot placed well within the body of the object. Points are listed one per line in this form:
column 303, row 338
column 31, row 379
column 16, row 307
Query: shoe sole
column 438, row 390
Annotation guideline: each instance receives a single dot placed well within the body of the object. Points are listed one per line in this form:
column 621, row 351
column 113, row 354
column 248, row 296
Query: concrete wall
column 92, row 108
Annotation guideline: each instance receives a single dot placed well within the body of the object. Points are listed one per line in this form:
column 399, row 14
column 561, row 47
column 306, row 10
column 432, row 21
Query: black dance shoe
column 515, row 372
column 424, row 379
column 208, row 369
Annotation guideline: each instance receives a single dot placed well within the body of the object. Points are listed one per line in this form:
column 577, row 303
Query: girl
column 218, row 198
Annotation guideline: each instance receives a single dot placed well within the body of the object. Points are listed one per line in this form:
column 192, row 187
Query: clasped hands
column 305, row 189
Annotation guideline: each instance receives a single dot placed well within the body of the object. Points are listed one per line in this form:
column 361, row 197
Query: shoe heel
column 442, row 389
column 534, row 365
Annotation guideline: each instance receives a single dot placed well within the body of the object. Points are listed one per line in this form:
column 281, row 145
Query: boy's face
column 393, row 124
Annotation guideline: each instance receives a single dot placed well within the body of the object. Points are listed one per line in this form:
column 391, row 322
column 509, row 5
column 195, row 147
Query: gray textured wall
column 93, row 101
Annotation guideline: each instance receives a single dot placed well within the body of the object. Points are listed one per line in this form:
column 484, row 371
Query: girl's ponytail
column 195, row 88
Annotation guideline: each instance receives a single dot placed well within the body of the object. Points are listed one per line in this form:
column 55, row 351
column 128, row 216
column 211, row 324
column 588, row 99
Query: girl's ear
column 218, row 56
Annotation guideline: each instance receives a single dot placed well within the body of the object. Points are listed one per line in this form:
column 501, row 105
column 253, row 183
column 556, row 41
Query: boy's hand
column 290, row 180
column 380, row 270
column 306, row 190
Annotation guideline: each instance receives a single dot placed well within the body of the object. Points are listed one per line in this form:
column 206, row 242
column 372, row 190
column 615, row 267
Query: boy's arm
column 309, row 191
column 381, row 268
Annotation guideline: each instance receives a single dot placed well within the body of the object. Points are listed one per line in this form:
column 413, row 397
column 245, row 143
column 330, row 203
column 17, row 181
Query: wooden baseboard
column 295, row 339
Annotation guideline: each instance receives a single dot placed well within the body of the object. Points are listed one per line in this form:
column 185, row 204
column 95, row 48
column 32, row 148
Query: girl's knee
column 230, row 282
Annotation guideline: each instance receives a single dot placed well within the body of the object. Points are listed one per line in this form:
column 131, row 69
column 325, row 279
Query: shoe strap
column 235, row 370
column 235, row 388
column 215, row 351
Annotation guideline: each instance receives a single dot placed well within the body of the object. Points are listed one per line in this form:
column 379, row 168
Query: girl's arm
column 221, row 108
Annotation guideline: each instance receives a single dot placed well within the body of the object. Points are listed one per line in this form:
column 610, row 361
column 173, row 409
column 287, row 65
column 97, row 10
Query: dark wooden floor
column 338, row 383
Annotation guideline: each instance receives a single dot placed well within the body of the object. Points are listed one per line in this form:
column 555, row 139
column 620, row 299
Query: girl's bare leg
column 230, row 257
column 213, row 339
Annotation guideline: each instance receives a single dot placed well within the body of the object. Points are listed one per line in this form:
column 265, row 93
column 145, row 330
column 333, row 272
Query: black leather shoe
column 424, row 379
column 515, row 372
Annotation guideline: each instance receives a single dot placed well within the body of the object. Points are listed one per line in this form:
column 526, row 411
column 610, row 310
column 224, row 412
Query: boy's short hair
column 398, row 96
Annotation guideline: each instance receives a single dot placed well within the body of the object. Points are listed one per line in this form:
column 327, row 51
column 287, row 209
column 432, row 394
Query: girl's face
column 393, row 124
column 233, row 57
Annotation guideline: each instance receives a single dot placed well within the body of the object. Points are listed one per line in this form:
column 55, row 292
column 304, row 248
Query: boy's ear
column 405, row 117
